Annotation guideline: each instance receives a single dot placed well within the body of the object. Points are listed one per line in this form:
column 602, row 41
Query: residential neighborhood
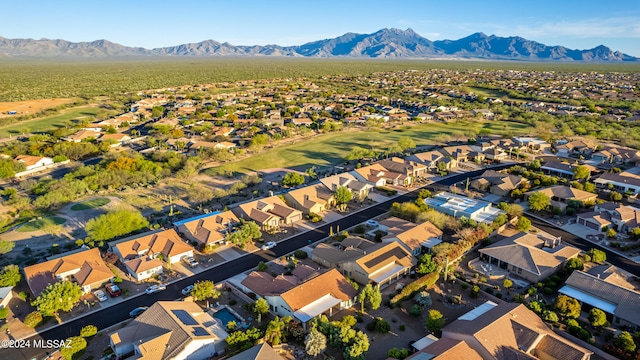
column 143, row 225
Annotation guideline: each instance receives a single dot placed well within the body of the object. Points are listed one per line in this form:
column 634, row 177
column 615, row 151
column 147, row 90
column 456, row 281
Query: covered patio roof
column 382, row 274
column 588, row 299
column 316, row 308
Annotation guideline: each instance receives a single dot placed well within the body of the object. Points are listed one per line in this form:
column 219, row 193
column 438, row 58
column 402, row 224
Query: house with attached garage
column 610, row 215
column 359, row 189
column 310, row 199
column 170, row 330
column 165, row 245
column 532, row 257
column 497, row 183
column 501, row 331
column 599, row 291
column 84, row 267
column 416, row 238
column 560, row 195
column 269, row 212
column 365, row 261
column 208, row 229
column 378, row 175
column 621, row 182
column 303, row 295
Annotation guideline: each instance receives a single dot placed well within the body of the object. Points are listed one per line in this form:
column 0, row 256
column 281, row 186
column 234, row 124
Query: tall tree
column 371, row 296
column 567, row 306
column 539, row 201
column 581, row 172
column 260, row 307
column 62, row 295
column 342, row 195
column 10, row 276
column 275, row 334
column 204, row 290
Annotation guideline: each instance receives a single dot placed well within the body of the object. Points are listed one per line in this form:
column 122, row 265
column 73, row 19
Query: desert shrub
column 88, row 331
column 33, row 319
column 419, row 284
column 379, row 325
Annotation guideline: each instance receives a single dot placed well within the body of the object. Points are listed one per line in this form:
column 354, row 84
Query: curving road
column 117, row 313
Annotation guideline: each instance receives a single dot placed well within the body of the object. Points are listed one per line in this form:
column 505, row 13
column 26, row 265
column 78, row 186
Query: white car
column 268, row 245
column 186, row 291
column 155, row 288
column 191, row 261
column 100, row 295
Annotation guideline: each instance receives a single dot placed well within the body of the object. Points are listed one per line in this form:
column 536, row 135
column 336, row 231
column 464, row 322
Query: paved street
column 120, row 312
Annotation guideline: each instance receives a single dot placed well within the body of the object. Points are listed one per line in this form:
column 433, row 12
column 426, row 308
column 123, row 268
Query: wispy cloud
column 614, row 27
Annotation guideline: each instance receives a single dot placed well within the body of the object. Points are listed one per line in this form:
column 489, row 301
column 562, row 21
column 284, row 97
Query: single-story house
column 170, row 330
column 621, row 182
column 34, row 162
column 365, row 261
column 621, row 303
column 416, row 238
column 166, row 244
column 459, row 206
column 502, row 331
column 304, row 294
column 610, row 215
column 532, row 257
column 359, row 189
column 310, row 199
column 561, row 194
column 378, row 175
column 209, row 229
column 143, row 268
column 497, row 183
column 85, row 267
column 269, row 212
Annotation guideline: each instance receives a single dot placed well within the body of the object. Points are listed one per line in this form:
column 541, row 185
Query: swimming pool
column 225, row 316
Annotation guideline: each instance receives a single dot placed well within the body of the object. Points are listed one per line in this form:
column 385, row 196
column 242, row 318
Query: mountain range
column 385, row 43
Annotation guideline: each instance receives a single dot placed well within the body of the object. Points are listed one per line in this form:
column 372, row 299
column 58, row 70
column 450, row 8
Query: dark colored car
column 113, row 290
column 137, row 311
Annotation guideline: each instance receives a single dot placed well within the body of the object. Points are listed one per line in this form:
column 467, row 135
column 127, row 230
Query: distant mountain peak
column 384, row 43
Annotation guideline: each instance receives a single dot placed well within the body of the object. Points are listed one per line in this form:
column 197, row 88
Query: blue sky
column 574, row 24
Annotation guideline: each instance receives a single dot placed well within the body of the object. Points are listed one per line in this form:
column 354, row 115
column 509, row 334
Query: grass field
column 332, row 148
column 41, row 224
column 47, row 123
column 90, row 204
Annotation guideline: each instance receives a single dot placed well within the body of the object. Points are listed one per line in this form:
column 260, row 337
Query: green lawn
column 41, row 224
column 47, row 123
column 90, row 204
column 332, row 148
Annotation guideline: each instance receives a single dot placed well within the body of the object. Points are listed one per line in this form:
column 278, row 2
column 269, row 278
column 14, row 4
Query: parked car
column 100, row 295
column 137, row 311
column 190, row 261
column 187, row 291
column 269, row 245
column 372, row 223
column 113, row 290
column 155, row 288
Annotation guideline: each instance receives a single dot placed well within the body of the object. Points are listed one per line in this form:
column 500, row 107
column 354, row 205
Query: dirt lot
column 30, row 106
